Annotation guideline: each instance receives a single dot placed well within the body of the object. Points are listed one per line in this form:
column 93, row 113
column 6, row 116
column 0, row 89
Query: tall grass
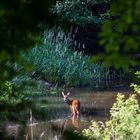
column 56, row 62
column 104, row 77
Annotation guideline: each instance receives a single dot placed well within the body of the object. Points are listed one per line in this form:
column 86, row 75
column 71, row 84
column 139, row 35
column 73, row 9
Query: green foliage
column 8, row 96
column 20, row 91
column 30, row 88
column 20, row 28
column 124, row 123
column 120, row 36
column 80, row 12
column 136, row 86
column 18, row 96
column 12, row 103
column 101, row 76
column 56, row 62
column 137, row 73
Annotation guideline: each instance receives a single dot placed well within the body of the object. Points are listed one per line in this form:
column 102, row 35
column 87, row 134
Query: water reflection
column 55, row 122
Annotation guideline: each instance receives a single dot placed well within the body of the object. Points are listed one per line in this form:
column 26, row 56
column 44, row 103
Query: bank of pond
column 51, row 118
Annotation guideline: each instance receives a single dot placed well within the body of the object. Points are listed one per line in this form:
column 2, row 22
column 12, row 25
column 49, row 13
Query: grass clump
column 54, row 61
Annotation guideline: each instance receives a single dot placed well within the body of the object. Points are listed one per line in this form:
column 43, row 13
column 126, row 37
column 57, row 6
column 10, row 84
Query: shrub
column 123, row 125
column 81, row 12
column 12, row 102
column 135, row 86
column 8, row 96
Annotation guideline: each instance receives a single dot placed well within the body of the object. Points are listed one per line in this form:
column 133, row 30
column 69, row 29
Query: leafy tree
column 120, row 36
column 81, row 12
column 20, row 28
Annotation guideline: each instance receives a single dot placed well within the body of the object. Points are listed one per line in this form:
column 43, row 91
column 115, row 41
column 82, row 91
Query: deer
column 74, row 105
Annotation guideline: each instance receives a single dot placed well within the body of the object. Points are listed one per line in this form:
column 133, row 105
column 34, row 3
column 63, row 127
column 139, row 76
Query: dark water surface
column 95, row 105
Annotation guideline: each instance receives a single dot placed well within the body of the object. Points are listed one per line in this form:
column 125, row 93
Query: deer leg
column 77, row 112
column 74, row 121
column 73, row 111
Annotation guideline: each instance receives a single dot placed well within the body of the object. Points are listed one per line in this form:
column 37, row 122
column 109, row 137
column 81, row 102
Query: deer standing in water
column 74, row 105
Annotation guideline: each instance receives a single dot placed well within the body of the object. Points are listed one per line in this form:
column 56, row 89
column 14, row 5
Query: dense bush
column 8, row 97
column 81, row 12
column 11, row 96
column 12, row 102
column 19, row 95
column 56, row 62
column 136, row 86
column 123, row 125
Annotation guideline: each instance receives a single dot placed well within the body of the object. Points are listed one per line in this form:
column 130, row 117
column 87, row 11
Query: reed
column 56, row 62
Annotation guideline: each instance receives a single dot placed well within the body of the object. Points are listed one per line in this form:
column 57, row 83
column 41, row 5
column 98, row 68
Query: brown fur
column 76, row 105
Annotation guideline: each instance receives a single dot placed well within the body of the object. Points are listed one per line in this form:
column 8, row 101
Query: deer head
column 65, row 95
column 74, row 104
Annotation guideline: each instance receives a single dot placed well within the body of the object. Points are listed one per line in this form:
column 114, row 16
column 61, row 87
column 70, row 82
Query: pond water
column 56, row 120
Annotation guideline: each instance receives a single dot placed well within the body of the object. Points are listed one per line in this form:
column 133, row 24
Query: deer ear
column 63, row 93
column 68, row 93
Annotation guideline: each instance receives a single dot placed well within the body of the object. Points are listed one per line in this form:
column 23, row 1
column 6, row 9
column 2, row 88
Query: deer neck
column 68, row 101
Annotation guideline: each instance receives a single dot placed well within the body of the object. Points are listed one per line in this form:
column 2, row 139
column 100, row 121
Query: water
column 55, row 120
